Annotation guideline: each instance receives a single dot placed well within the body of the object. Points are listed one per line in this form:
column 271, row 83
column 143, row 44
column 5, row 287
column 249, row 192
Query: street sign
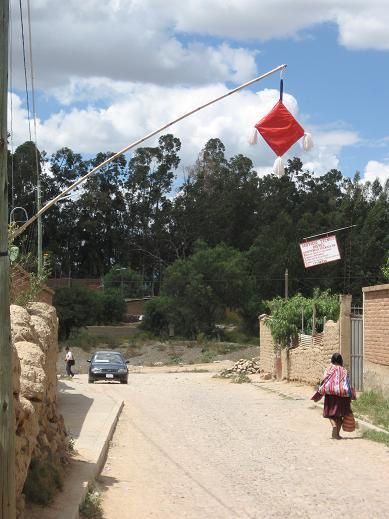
column 317, row 252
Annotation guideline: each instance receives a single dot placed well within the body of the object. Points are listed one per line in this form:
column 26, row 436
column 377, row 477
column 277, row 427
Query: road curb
column 84, row 468
column 101, row 449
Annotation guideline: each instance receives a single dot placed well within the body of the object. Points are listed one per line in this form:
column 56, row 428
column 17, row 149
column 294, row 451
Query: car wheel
column 124, row 381
column 90, row 381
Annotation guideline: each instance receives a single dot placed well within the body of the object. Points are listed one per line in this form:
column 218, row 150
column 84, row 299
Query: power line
column 25, row 68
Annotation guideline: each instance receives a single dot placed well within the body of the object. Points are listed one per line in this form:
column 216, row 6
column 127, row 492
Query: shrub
column 158, row 315
column 124, row 280
column 197, row 292
column 44, row 479
column 286, row 315
column 91, row 508
column 112, row 306
column 76, row 307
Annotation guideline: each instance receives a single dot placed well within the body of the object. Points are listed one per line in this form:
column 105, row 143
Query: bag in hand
column 349, row 423
column 72, row 362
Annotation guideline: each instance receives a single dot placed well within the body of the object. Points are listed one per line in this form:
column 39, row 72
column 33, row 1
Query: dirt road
column 191, row 446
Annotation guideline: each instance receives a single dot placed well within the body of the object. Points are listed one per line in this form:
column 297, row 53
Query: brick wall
column 20, row 282
column 376, row 324
column 376, row 338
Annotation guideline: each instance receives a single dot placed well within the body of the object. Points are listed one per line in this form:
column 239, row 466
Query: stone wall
column 307, row 362
column 376, row 338
column 40, row 431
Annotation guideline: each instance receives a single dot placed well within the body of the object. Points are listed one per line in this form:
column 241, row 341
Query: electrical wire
column 33, row 91
column 25, row 68
column 11, row 108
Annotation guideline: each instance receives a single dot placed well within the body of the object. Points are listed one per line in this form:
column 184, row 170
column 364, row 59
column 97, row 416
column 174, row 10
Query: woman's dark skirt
column 336, row 406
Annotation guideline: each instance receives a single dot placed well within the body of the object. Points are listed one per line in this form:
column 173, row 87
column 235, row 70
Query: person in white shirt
column 69, row 360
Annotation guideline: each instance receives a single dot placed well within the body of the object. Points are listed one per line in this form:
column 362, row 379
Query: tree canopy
column 139, row 214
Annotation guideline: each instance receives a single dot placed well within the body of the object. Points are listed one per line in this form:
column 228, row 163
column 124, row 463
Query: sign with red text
column 317, row 252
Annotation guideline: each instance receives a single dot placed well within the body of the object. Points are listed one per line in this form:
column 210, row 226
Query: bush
column 112, row 306
column 158, row 315
column 197, row 292
column 43, row 481
column 286, row 315
column 91, row 508
column 124, row 280
column 78, row 307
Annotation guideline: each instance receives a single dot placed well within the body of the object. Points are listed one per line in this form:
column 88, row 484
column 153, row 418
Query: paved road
column 191, row 446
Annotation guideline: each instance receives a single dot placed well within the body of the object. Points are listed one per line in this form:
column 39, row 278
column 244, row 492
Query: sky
column 107, row 73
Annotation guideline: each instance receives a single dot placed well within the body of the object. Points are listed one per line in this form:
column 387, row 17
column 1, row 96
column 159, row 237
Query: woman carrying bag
column 338, row 393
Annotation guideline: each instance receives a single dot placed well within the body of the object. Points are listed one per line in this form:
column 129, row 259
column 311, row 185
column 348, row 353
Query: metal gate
column 357, row 348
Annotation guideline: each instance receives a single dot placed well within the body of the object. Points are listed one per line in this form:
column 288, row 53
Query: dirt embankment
column 169, row 353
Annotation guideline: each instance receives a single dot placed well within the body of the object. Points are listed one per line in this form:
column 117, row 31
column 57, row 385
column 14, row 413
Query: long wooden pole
column 21, row 229
column 7, row 420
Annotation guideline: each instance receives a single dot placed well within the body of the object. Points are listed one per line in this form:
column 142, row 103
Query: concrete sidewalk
column 90, row 413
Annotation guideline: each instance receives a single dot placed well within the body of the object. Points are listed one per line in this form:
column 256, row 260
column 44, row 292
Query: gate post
column 345, row 329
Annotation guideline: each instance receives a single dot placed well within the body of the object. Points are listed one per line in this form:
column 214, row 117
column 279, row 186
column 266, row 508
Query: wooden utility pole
column 7, row 419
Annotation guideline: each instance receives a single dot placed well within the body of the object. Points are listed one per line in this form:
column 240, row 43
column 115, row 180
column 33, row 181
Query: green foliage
column 44, row 479
column 159, row 312
column 287, row 315
column 373, row 407
column 197, row 292
column 126, row 215
column 92, row 508
column 377, row 436
column 124, row 280
column 113, row 306
column 78, row 307
column 385, row 269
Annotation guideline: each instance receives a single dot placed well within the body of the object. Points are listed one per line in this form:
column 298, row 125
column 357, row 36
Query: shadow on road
column 73, row 406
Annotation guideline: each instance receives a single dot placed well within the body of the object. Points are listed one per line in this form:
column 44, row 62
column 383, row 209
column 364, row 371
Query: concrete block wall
column 376, row 338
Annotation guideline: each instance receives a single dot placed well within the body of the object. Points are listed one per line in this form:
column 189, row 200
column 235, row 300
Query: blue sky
column 108, row 74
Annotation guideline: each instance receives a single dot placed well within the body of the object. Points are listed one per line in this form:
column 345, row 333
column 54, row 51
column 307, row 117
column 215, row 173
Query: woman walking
column 69, row 361
column 337, row 392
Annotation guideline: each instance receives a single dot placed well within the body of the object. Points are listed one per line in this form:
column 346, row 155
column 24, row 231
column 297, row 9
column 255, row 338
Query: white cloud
column 375, row 169
column 137, row 109
column 167, row 43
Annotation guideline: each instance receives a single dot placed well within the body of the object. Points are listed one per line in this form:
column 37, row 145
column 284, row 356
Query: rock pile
column 242, row 367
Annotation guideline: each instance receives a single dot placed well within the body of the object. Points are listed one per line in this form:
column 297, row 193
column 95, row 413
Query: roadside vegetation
column 44, row 480
column 300, row 314
column 377, row 436
column 374, row 408
column 92, row 508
